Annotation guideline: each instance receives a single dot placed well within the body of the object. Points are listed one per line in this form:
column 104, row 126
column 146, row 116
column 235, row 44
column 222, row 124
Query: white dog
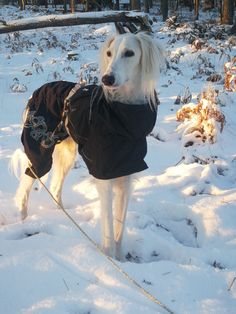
column 130, row 66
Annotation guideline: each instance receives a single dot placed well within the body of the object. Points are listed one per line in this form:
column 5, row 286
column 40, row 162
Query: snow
column 180, row 237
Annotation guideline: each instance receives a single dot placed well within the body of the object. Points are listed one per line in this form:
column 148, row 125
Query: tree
column 164, row 9
column 196, row 9
column 87, row 5
column 208, row 5
column 22, row 4
column 227, row 12
column 146, row 6
column 117, row 5
column 64, row 6
column 136, row 5
column 72, row 6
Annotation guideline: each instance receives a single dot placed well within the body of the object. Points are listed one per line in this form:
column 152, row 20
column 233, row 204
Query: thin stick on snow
column 232, row 283
column 135, row 283
column 66, row 284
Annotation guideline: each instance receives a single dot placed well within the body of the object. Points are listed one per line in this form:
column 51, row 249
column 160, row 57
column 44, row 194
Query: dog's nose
column 108, row 80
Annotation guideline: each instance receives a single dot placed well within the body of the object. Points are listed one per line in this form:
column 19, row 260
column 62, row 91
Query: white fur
column 135, row 79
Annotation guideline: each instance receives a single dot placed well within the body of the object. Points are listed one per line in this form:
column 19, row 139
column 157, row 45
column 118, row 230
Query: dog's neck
column 128, row 94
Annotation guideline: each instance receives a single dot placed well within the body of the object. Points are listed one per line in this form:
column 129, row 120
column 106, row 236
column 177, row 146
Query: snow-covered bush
column 17, row 87
column 89, row 73
column 201, row 123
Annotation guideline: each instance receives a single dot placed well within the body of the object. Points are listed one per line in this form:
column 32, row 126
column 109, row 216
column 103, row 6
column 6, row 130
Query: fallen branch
column 73, row 19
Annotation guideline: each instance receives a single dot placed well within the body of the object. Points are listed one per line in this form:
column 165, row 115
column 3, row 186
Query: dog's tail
column 18, row 163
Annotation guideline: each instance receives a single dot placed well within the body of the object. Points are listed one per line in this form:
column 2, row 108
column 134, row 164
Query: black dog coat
column 111, row 136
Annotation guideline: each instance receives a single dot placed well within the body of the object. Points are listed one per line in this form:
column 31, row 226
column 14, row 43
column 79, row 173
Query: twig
column 68, row 289
column 179, row 162
column 204, row 162
column 232, row 283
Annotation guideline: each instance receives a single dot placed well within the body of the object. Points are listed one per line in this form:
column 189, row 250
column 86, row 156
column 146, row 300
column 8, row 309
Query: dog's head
column 131, row 60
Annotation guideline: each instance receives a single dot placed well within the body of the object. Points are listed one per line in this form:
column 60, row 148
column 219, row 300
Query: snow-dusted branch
column 71, row 19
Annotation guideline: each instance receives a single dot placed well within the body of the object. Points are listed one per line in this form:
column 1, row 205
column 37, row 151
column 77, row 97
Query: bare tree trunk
column 22, row 4
column 208, row 5
column 176, row 5
column 146, row 6
column 87, row 5
column 135, row 5
column 117, row 5
column 196, row 9
column 227, row 12
column 191, row 5
column 72, row 6
column 65, row 6
column 220, row 9
column 164, row 9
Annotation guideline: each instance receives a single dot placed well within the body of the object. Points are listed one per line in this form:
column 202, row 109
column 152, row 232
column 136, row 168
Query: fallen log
column 73, row 19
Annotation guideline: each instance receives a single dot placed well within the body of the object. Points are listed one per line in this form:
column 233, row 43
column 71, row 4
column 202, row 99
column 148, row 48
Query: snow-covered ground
column 180, row 237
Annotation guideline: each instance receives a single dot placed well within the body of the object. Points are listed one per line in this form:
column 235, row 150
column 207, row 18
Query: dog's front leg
column 122, row 191
column 104, row 188
column 63, row 159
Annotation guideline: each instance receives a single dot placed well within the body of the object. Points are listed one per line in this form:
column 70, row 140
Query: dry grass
column 203, row 118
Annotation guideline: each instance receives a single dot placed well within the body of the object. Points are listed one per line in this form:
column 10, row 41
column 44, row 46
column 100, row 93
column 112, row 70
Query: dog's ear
column 152, row 60
column 152, row 54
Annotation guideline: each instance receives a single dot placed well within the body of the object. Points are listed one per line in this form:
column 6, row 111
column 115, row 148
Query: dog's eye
column 108, row 53
column 129, row 53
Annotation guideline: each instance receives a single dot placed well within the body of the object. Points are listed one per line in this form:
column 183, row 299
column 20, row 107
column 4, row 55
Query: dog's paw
column 23, row 214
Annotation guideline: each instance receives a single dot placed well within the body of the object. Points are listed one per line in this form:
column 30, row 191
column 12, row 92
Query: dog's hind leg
column 22, row 194
column 104, row 188
column 18, row 163
column 63, row 160
column 122, row 191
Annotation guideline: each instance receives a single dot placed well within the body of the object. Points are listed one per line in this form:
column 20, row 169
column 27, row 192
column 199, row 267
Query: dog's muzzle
column 108, row 79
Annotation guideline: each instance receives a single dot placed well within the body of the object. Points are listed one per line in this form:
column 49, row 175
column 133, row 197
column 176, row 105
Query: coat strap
column 67, row 101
